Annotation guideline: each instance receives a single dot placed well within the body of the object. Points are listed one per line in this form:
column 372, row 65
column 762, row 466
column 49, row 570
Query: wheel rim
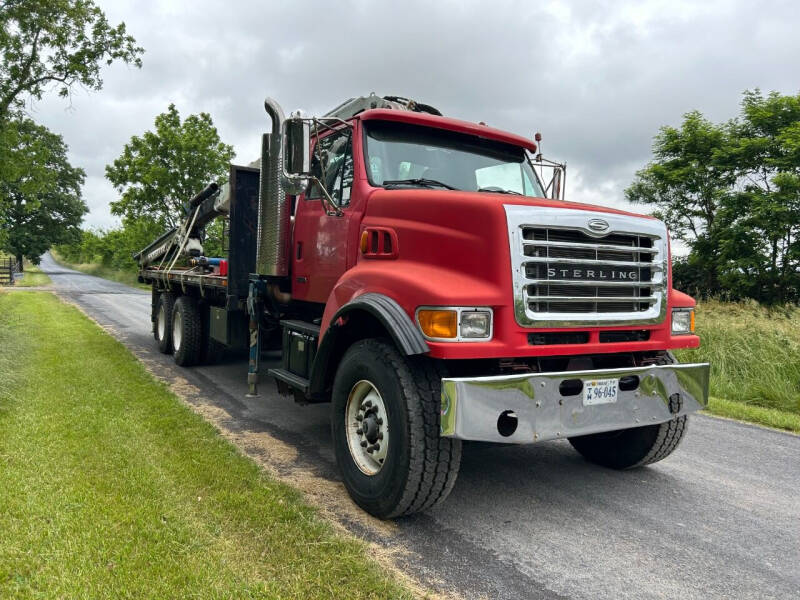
column 367, row 427
column 161, row 323
column 176, row 331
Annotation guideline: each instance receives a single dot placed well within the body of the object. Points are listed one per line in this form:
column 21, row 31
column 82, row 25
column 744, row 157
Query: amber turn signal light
column 438, row 323
column 364, row 241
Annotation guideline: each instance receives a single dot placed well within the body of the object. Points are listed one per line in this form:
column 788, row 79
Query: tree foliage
column 731, row 192
column 159, row 171
column 156, row 174
column 61, row 43
column 40, row 192
column 111, row 248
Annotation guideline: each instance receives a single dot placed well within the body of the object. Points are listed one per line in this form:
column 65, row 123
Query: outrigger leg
column 253, row 308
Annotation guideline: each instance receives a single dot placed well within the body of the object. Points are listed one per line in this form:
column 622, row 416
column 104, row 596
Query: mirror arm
column 302, row 180
column 321, row 121
column 331, row 209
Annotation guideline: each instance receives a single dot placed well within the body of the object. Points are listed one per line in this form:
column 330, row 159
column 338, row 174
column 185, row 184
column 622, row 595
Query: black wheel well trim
column 388, row 314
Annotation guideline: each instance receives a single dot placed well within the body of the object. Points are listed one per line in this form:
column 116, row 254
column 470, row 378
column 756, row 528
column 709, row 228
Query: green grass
column 770, row 417
column 119, row 275
column 755, row 361
column 33, row 277
column 111, row 488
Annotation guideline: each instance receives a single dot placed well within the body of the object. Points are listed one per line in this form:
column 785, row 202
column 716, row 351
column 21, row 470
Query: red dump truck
column 426, row 276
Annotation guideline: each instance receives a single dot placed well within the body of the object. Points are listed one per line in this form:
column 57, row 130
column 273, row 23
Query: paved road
column 719, row 519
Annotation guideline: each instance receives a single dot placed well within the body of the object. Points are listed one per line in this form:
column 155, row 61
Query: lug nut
column 364, row 444
column 380, row 435
column 380, row 421
column 359, row 418
column 375, row 448
column 370, row 449
column 359, row 431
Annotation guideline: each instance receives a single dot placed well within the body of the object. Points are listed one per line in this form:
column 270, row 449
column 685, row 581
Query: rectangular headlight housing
column 682, row 321
column 455, row 323
column 476, row 324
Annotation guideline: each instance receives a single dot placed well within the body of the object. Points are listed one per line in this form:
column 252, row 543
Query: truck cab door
column 319, row 253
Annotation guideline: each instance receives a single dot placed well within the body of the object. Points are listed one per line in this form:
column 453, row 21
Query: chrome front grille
column 566, row 274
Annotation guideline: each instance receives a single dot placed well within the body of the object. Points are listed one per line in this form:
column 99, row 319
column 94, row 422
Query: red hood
column 449, row 197
column 549, row 203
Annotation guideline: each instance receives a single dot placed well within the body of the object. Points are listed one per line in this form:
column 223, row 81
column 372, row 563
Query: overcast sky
column 596, row 78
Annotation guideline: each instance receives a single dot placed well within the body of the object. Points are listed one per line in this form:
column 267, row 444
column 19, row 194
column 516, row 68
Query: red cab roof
column 426, row 119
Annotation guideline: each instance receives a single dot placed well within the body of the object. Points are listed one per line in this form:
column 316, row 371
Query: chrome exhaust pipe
column 272, row 254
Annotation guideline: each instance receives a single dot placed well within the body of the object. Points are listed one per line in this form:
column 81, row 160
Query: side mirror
column 297, row 157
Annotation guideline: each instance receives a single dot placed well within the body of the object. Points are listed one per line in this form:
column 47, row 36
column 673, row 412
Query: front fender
column 410, row 285
column 366, row 315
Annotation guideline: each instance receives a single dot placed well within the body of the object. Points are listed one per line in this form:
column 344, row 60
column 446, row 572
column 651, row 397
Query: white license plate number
column 600, row 391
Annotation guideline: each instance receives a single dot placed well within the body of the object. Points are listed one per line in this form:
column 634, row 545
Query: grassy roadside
column 33, row 277
column 126, row 277
column 110, row 487
column 755, row 361
column 769, row 417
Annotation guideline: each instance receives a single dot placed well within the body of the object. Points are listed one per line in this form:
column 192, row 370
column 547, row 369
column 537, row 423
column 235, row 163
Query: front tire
column 410, row 468
column 631, row 448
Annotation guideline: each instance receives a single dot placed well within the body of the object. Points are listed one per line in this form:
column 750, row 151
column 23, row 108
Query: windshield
column 400, row 154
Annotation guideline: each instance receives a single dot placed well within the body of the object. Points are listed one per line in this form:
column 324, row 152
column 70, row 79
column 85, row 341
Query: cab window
column 332, row 164
column 403, row 154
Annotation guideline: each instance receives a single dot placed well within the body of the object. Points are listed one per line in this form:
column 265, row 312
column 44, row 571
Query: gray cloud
column 596, row 78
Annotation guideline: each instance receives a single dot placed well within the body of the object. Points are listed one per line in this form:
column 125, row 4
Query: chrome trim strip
column 520, row 216
column 595, row 283
column 471, row 406
column 589, row 261
column 609, row 247
column 593, row 299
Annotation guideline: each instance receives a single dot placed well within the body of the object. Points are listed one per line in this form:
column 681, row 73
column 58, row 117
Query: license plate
column 600, row 391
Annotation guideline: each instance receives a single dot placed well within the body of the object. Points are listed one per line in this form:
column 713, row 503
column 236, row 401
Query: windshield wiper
column 419, row 181
column 498, row 190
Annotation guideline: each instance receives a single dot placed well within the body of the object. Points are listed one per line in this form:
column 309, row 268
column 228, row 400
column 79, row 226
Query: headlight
column 455, row 323
column 476, row 324
column 682, row 321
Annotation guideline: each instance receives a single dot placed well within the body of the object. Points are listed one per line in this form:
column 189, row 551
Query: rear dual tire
column 181, row 328
column 162, row 327
column 188, row 339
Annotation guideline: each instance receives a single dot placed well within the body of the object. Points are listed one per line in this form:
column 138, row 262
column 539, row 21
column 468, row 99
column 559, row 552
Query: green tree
column 56, row 43
column 760, row 239
column 40, row 192
column 688, row 180
column 159, row 171
column 732, row 193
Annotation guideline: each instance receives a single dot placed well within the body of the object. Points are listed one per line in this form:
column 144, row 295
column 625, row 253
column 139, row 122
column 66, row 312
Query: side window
column 332, row 164
column 530, row 189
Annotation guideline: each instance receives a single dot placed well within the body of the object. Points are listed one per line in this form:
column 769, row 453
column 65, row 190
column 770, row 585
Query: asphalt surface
column 720, row 518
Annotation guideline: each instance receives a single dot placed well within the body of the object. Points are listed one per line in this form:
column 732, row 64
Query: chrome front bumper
column 532, row 408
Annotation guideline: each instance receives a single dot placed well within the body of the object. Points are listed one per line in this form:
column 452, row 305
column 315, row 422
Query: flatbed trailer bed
column 183, row 277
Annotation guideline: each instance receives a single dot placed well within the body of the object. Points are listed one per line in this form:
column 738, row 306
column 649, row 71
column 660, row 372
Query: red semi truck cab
column 420, row 279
